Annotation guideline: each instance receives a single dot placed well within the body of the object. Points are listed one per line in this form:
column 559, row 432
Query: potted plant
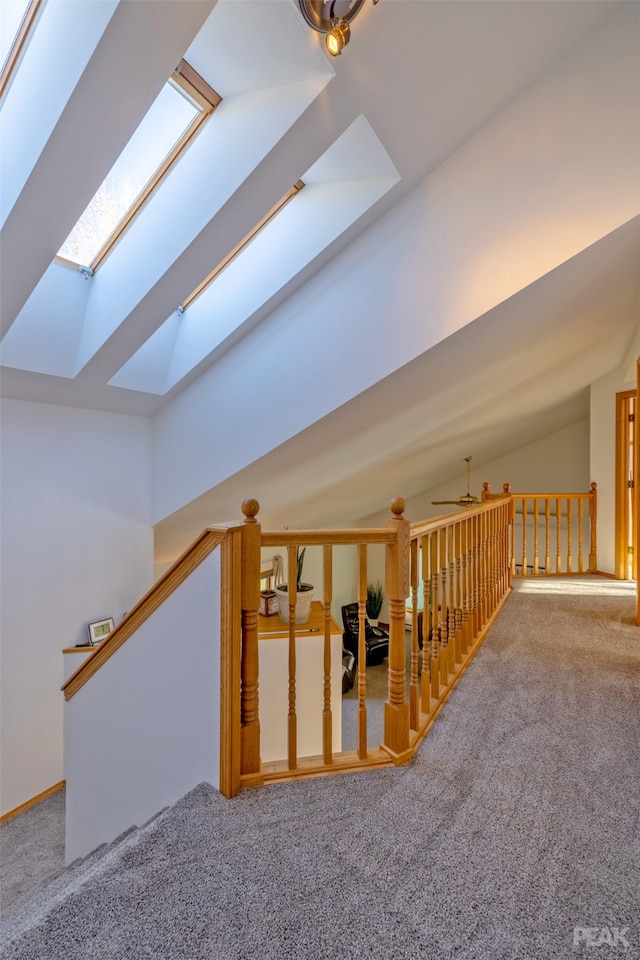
column 304, row 594
column 375, row 596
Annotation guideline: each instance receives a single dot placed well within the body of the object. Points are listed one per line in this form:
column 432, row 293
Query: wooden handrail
column 311, row 538
column 192, row 557
column 421, row 527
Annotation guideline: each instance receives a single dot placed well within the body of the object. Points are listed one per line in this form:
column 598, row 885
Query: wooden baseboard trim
column 32, row 802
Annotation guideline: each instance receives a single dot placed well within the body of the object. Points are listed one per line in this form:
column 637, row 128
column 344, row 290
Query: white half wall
column 145, row 729
column 77, row 546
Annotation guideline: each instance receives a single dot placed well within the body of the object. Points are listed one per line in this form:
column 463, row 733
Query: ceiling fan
column 467, row 499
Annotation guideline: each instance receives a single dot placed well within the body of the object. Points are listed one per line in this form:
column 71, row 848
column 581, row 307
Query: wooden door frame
column 636, row 467
column 621, row 511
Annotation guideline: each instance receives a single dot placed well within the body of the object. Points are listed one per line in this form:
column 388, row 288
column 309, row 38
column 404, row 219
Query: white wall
column 551, row 174
column 145, row 729
column 603, row 458
column 557, row 463
column 76, row 546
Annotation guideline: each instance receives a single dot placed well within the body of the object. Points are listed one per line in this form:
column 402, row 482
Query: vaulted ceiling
column 419, row 80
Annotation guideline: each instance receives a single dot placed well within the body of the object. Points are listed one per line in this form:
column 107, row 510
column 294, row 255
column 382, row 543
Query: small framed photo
column 100, row 629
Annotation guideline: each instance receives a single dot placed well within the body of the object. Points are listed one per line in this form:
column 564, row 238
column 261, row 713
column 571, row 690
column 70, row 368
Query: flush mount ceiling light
column 332, row 17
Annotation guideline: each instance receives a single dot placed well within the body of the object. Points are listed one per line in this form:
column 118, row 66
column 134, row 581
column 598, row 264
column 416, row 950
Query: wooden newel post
column 396, row 708
column 593, row 518
column 250, row 601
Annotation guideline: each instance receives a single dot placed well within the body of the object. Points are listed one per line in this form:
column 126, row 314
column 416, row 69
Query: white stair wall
column 145, row 728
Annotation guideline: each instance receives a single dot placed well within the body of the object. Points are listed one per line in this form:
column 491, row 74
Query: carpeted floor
column 31, row 852
column 515, row 828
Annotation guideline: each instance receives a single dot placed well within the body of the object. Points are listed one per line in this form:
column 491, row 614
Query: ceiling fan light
column 337, row 39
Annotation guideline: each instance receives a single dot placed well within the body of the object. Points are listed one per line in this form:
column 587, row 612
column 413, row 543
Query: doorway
column 626, row 553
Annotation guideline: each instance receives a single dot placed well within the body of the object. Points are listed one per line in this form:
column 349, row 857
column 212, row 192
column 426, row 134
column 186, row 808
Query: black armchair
column 376, row 640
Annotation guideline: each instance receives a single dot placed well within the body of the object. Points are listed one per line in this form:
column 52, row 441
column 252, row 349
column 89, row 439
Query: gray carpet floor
column 515, row 828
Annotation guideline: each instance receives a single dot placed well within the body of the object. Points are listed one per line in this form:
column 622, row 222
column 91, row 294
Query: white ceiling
column 419, row 78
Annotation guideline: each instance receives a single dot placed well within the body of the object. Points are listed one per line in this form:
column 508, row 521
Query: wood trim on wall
column 636, row 475
column 32, row 802
column 621, row 512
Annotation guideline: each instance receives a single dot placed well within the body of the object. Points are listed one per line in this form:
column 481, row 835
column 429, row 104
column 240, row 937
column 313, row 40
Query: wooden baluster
column 558, row 549
column 569, row 534
column 444, row 646
column 580, row 522
column 414, row 692
column 435, row 626
column 327, row 715
column 473, row 573
column 593, row 515
column 502, row 587
column 535, row 536
column 504, row 544
column 485, row 553
column 494, row 569
column 524, row 536
column 292, row 719
column 513, row 536
column 508, row 535
column 497, row 558
column 479, row 563
column 362, row 651
column 396, row 708
column 457, row 532
column 451, row 603
column 250, row 603
column 491, row 565
column 464, row 548
column 427, row 646
column 507, row 544
column 547, row 519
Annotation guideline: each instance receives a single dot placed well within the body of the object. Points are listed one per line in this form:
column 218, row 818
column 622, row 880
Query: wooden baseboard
column 31, row 803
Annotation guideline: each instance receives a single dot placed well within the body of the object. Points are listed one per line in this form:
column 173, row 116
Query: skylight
column 181, row 107
column 17, row 18
column 276, row 208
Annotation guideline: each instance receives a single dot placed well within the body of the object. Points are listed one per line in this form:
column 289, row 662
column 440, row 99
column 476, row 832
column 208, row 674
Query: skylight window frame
column 19, row 44
column 206, row 99
column 226, row 260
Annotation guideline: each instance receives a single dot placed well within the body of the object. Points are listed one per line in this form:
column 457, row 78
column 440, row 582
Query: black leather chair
column 376, row 640
column 348, row 670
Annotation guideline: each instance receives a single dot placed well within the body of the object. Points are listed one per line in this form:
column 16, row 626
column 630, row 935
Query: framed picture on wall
column 100, row 629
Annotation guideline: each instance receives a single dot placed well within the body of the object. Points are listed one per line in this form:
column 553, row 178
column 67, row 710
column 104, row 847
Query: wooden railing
column 553, row 534
column 395, row 538
column 460, row 577
column 460, row 564
column 172, row 578
column 452, row 572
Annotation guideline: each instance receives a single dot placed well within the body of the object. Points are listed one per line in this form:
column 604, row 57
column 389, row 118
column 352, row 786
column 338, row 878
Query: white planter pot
column 303, row 602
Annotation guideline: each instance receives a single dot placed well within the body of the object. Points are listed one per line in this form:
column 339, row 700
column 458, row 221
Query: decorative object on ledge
column 467, row 499
column 375, row 596
column 268, row 603
column 333, row 18
column 304, row 594
column 99, row 630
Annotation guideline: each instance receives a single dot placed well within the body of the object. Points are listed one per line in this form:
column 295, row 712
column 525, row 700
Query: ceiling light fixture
column 338, row 38
column 333, row 18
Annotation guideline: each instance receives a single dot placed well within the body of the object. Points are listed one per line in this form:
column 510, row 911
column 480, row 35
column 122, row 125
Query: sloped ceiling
column 418, row 80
